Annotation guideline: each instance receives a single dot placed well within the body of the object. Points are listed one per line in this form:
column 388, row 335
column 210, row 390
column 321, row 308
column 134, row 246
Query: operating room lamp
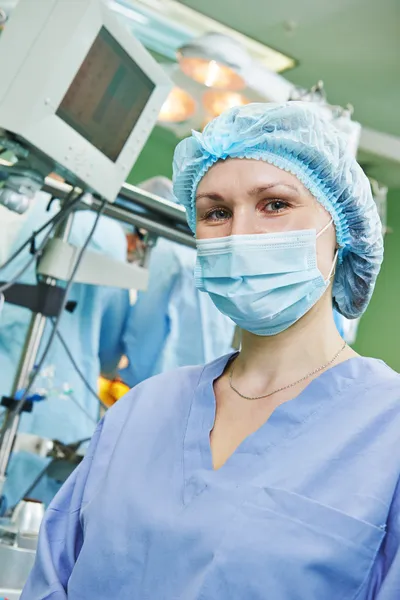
column 179, row 106
column 216, row 61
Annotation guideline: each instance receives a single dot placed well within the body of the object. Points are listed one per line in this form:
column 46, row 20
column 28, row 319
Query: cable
column 29, row 241
column 36, row 254
column 77, row 368
column 54, row 221
column 38, row 368
column 58, row 217
column 88, row 415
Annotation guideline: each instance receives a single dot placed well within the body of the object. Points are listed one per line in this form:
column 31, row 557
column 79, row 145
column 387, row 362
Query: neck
column 310, row 343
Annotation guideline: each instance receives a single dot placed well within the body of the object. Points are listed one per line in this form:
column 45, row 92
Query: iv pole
column 27, row 361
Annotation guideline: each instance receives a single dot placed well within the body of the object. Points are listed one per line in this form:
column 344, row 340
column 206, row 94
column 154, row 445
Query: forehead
column 234, row 173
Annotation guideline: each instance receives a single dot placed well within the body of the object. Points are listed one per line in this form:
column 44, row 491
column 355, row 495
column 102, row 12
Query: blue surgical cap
column 296, row 137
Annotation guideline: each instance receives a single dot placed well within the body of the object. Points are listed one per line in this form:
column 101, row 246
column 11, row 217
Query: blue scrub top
column 308, row 507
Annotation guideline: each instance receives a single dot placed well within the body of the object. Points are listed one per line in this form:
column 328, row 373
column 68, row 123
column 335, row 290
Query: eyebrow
column 253, row 192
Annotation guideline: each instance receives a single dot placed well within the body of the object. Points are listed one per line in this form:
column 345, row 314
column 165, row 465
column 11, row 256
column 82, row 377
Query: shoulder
column 152, row 408
column 169, row 394
column 154, row 412
column 373, row 378
column 170, row 383
column 368, row 372
column 374, row 389
column 377, row 373
column 160, row 395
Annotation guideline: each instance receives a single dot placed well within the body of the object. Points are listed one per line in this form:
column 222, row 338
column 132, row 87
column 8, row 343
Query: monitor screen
column 106, row 97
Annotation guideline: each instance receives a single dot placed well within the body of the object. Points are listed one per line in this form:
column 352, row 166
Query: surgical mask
column 263, row 282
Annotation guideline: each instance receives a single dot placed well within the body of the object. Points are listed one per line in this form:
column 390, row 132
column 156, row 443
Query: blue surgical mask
column 263, row 282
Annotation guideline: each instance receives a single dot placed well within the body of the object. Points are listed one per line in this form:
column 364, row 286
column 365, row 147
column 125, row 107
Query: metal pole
column 159, row 216
column 129, row 193
column 144, row 222
column 27, row 362
column 156, row 203
column 25, row 367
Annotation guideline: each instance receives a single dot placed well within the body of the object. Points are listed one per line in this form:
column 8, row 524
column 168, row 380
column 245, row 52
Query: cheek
column 201, row 232
column 204, row 232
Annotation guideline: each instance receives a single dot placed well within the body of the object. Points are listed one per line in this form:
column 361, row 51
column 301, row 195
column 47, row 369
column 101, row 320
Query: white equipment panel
column 79, row 89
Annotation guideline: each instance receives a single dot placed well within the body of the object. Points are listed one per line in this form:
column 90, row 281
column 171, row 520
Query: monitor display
column 106, row 97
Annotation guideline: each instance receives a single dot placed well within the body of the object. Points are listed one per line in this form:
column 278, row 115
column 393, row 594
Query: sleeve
column 148, row 325
column 385, row 583
column 112, row 327
column 61, row 535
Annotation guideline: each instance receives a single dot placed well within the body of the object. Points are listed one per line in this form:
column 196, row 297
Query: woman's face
column 241, row 196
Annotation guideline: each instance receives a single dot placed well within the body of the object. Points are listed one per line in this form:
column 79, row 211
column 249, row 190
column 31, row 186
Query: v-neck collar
column 285, row 422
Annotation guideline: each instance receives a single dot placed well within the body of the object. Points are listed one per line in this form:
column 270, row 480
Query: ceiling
column 352, row 45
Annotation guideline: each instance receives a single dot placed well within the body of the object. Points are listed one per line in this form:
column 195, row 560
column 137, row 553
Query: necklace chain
column 286, row 387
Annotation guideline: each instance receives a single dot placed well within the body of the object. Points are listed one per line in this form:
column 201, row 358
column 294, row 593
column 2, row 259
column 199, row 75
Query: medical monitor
column 79, row 89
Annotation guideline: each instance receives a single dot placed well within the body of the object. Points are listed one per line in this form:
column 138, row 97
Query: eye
column 216, row 214
column 276, row 206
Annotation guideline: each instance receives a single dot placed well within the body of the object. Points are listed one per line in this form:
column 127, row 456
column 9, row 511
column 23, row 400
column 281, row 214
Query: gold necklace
column 286, row 387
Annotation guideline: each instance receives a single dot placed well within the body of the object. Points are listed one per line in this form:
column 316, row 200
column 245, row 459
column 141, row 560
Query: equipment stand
column 25, row 367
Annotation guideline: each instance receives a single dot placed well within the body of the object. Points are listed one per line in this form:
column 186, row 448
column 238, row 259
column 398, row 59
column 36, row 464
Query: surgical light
column 216, row 102
column 178, row 107
column 216, row 61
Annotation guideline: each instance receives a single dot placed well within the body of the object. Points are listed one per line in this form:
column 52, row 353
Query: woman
column 272, row 474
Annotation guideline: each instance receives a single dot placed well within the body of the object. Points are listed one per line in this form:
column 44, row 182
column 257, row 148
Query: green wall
column 156, row 157
column 379, row 330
